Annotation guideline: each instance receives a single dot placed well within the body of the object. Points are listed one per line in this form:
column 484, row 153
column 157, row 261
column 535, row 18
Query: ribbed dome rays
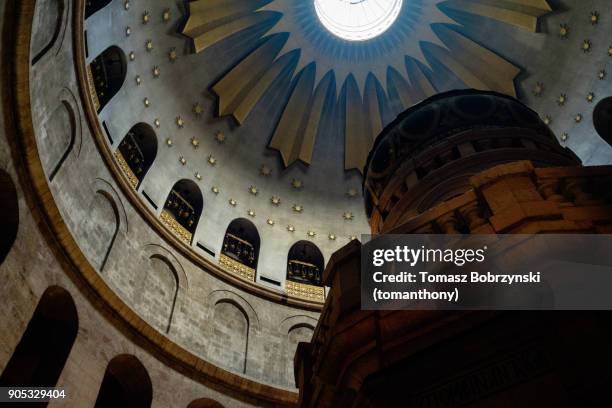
column 397, row 65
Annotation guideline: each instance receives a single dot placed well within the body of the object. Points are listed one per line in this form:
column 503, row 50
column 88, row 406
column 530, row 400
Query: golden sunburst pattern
column 357, row 79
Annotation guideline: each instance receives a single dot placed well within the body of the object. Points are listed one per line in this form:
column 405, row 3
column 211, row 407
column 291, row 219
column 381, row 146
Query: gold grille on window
column 237, row 268
column 126, row 169
column 305, row 291
column 92, row 88
column 178, row 230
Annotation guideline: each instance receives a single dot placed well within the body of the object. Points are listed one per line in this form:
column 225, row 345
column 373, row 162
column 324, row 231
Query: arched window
column 136, row 152
column 241, row 248
column 182, row 209
column 107, row 74
column 91, row 6
column 602, row 119
column 204, row 403
column 39, row 358
column 126, row 383
column 9, row 214
column 305, row 266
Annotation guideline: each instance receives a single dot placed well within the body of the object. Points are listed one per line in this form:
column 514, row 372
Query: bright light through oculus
column 357, row 20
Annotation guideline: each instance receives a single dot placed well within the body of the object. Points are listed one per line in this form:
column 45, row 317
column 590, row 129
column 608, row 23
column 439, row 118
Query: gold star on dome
column 298, row 208
column 215, row 189
column 562, row 99
column 149, row 45
column 146, row 102
column 126, row 5
column 168, row 142
column 547, row 120
column 331, row 237
column 538, row 89
column 132, row 56
column 348, row 216
column 220, row 137
column 183, row 160
column 138, row 80
column 586, row 46
column 146, row 17
column 578, row 118
column 564, row 31
column 128, row 31
column 353, row 237
column 590, row 97
column 564, row 137
column 297, row 184
column 352, row 192
column 312, row 234
column 172, row 54
column 602, row 74
column 275, row 200
column 233, row 202
column 270, row 221
column 166, row 15
column 253, row 190
column 195, row 143
column 610, row 51
column 198, row 109
column 211, row 160
column 251, row 213
column 156, row 72
column 198, row 176
column 594, row 17
column 157, row 123
column 180, row 122
column 265, row 170
column 290, row 228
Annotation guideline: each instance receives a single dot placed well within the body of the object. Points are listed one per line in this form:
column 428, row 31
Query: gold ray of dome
column 405, row 69
column 522, row 13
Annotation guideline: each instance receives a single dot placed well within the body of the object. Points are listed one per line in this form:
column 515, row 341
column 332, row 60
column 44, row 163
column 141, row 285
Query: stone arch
column 242, row 242
column 230, row 337
column 40, row 356
column 295, row 329
column 161, row 285
column 108, row 71
column 182, row 209
column 204, row 403
column 49, row 17
column 62, row 134
column 126, row 383
column 215, row 296
column 9, row 214
column 107, row 218
column 137, row 151
column 150, row 250
column 305, row 263
column 93, row 6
